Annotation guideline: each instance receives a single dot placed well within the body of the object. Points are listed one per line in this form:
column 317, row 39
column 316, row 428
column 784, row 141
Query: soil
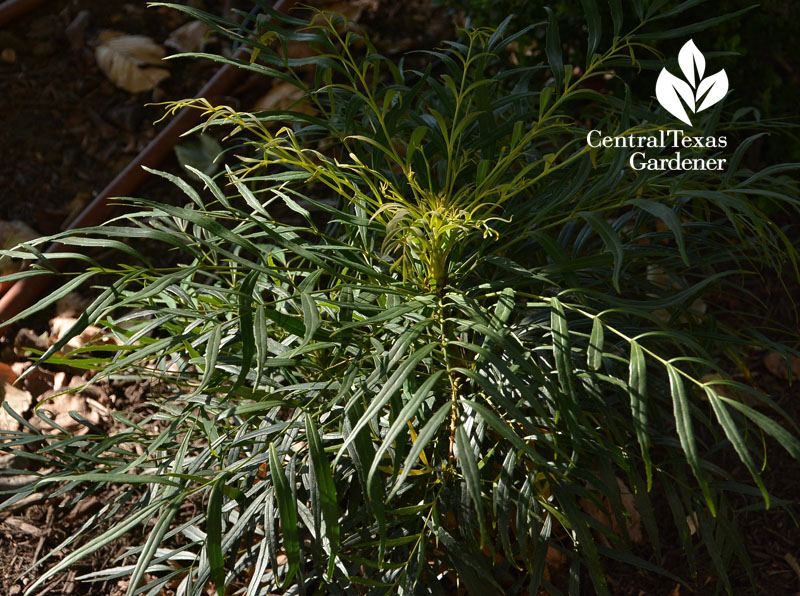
column 67, row 131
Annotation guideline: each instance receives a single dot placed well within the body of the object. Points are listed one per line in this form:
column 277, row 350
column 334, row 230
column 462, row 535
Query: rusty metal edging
column 13, row 9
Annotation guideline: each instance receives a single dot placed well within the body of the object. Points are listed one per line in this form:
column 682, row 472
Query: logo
column 665, row 149
column 706, row 92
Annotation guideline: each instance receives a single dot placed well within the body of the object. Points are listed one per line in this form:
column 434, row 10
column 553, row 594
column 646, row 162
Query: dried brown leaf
column 92, row 335
column 58, row 408
column 11, row 234
column 129, row 61
column 36, row 381
column 351, row 9
column 27, row 339
column 283, row 96
column 18, row 400
column 190, row 37
column 633, row 523
column 23, row 526
column 776, row 364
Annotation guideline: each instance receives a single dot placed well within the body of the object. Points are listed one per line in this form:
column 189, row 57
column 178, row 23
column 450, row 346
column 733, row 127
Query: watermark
column 670, row 90
column 680, row 98
column 662, row 139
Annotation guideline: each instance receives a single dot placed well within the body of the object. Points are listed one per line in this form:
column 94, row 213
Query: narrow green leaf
column 116, row 478
column 290, row 323
column 52, row 297
column 211, row 356
column 246, row 328
column 683, row 423
column 575, row 519
column 505, row 305
column 611, row 241
column 786, row 439
column 594, row 352
column 735, row 437
column 287, row 510
column 636, row 562
column 327, row 489
column 712, row 543
column 431, row 428
column 553, row 48
column 362, row 452
column 415, row 142
column 472, row 477
column 216, row 559
column 663, row 33
column 544, row 99
column 616, row 15
column 261, row 338
column 595, row 26
column 506, row 431
column 179, row 182
column 669, row 217
column 738, row 155
column 562, row 354
column 393, row 384
column 637, row 389
column 108, row 537
column 400, row 424
column 310, row 316
column 502, row 503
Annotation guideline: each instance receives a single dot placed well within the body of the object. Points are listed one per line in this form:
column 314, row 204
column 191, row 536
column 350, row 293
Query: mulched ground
column 66, row 132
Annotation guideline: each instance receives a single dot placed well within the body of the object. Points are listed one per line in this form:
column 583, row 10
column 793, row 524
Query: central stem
column 451, row 375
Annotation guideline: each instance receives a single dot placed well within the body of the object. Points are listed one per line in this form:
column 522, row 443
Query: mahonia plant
column 421, row 338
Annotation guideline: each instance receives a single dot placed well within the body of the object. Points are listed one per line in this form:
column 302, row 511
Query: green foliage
column 414, row 336
column 747, row 38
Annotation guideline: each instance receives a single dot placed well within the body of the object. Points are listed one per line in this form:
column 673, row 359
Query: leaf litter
column 131, row 62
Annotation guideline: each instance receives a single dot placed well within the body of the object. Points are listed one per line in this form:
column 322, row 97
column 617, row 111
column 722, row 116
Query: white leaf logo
column 673, row 93
column 716, row 87
column 669, row 91
column 689, row 59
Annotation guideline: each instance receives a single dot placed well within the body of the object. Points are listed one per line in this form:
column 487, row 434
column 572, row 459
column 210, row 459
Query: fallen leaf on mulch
column 777, row 365
column 633, row 524
column 351, row 9
column 129, row 61
column 283, row 96
column 18, row 400
column 58, row 409
column 191, row 37
column 11, row 234
column 84, row 507
column 37, row 381
column 23, row 526
column 26, row 340
column 91, row 336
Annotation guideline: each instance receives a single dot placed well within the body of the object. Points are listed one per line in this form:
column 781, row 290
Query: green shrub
column 424, row 337
column 749, row 39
